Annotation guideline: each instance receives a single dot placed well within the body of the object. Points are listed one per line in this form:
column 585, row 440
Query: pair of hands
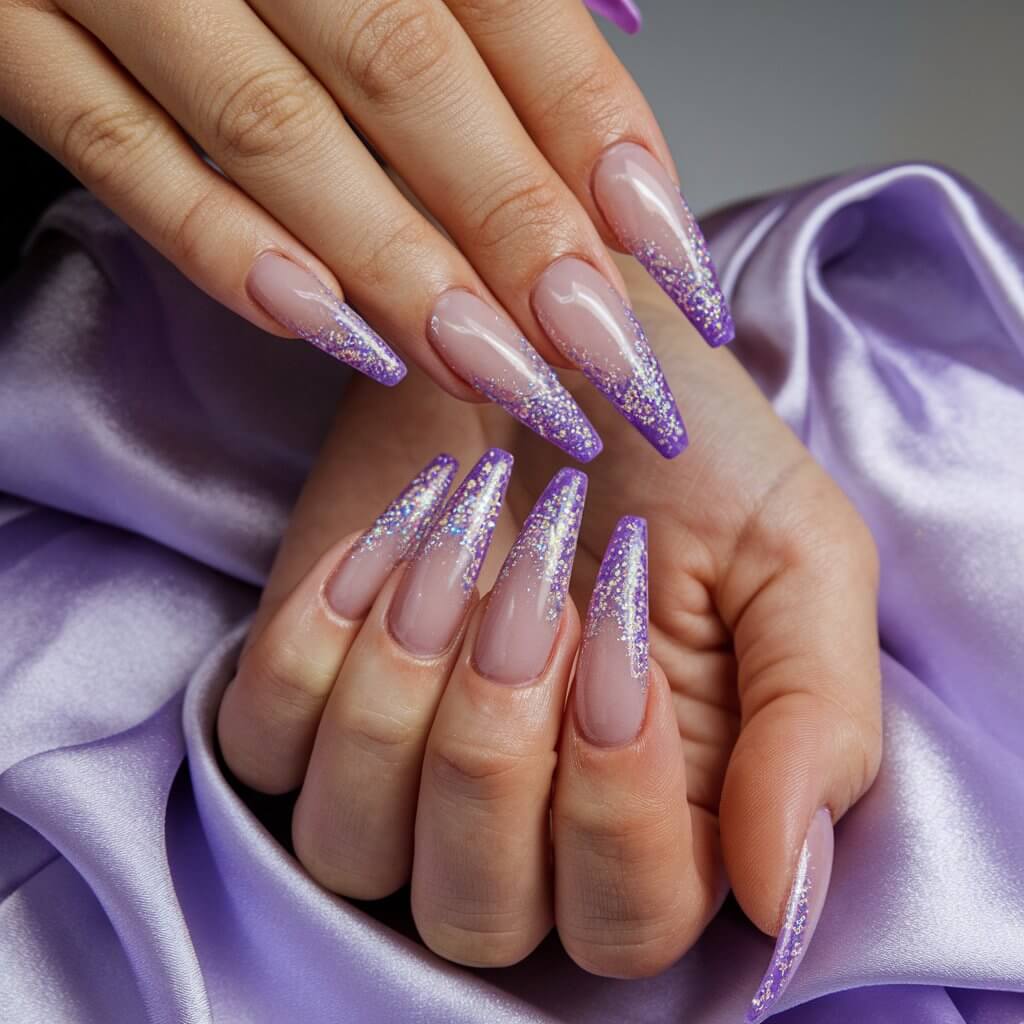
column 764, row 701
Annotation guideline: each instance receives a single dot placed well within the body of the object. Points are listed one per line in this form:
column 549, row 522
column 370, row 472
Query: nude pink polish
column 488, row 351
column 803, row 911
column 589, row 323
column 524, row 610
column 650, row 218
column 394, row 536
column 611, row 677
column 431, row 599
column 300, row 302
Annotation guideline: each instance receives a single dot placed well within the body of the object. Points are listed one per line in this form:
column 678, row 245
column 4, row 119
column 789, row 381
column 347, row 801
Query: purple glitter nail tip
column 620, row 593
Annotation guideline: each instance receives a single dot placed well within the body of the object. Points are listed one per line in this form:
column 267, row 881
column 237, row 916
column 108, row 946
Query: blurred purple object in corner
column 623, row 13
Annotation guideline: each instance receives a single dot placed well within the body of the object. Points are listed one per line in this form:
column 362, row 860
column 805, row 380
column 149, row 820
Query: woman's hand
column 762, row 602
column 512, row 125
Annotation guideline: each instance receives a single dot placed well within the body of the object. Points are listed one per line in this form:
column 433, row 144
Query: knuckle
column 525, row 204
column 491, row 940
column 611, row 951
column 98, row 143
column 266, row 113
column 283, row 682
column 395, row 50
column 382, row 735
column 191, row 228
column 586, row 97
column 377, row 258
column 466, row 769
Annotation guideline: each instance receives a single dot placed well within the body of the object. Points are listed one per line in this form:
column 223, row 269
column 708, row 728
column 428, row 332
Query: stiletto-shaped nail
column 623, row 13
column 650, row 218
column 588, row 322
column 431, row 599
column 304, row 305
column 394, row 536
column 525, row 606
column 488, row 351
column 611, row 678
column 803, row 910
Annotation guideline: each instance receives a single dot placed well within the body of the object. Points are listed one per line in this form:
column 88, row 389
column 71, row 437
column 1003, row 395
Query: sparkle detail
column 471, row 515
column 410, row 515
column 350, row 339
column 790, row 947
column 548, row 540
column 693, row 287
column 620, row 593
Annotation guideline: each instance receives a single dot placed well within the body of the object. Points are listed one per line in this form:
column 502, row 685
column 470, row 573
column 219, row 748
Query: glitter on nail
column 349, row 339
column 410, row 515
column 693, row 288
column 548, row 540
column 790, row 947
column 472, row 513
column 620, row 593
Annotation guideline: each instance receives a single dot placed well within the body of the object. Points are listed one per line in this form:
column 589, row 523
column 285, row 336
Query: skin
column 764, row 692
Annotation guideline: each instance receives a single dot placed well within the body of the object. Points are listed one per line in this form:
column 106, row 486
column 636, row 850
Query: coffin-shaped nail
column 623, row 13
column 588, row 322
column 803, row 910
column 488, row 351
column 394, row 536
column 525, row 607
column 432, row 597
column 300, row 302
column 611, row 677
column 650, row 218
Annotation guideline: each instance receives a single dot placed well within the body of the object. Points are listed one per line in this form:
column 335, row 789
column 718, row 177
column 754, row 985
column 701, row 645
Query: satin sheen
column 151, row 445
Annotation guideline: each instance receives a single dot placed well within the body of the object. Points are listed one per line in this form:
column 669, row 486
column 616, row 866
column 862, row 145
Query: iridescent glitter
column 406, row 520
column 548, row 542
column 620, row 593
column 469, row 518
column 693, row 286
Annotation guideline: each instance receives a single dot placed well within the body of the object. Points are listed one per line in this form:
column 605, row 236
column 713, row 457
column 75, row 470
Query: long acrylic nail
column 623, row 13
column 431, row 600
column 651, row 219
column 519, row 626
column 588, row 322
column 394, row 536
column 611, row 678
column 803, row 910
column 301, row 303
column 489, row 352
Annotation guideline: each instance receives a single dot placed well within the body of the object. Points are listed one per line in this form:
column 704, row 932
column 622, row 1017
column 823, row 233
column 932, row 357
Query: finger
column 271, row 709
column 82, row 108
column 595, row 128
column 801, row 598
column 272, row 127
column 353, row 822
column 481, row 886
column 635, row 876
column 409, row 76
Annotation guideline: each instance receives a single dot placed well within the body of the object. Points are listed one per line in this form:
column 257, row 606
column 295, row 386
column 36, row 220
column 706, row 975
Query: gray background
column 754, row 96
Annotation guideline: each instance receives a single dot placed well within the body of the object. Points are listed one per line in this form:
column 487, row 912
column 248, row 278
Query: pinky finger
column 87, row 112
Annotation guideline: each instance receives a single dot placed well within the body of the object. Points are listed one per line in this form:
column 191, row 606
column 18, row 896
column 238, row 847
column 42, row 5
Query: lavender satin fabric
column 150, row 446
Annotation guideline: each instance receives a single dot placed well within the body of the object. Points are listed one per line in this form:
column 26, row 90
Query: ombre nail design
column 304, row 305
column 488, row 352
column 588, row 322
column 803, row 910
column 431, row 599
column 525, row 606
column 395, row 535
column 611, row 678
column 650, row 218
column 623, row 13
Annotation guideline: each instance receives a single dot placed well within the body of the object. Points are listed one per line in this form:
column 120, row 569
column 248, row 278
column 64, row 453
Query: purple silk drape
column 150, row 447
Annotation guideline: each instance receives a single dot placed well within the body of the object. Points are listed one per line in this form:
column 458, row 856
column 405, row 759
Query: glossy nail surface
column 588, row 322
column 650, row 218
column 623, row 13
column 488, row 352
column 300, row 302
column 803, row 910
column 394, row 536
column 431, row 599
column 611, row 678
column 525, row 606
